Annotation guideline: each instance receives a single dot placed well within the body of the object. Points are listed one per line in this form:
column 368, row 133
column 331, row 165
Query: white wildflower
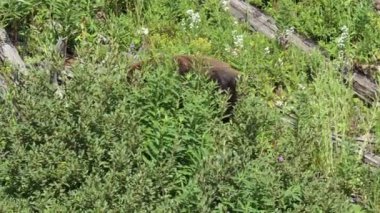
column 190, row 12
column 267, row 50
column 340, row 42
column 235, row 52
column 302, row 87
column 238, row 41
column 225, row 4
column 143, row 31
column 195, row 18
column 344, row 29
column 289, row 31
column 343, row 37
column 227, row 48
column 279, row 103
column 280, row 62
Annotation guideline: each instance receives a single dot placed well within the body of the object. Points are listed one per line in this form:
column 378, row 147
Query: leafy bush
column 158, row 143
column 323, row 21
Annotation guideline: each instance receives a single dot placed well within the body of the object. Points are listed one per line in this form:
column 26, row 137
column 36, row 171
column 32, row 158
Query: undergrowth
column 158, row 143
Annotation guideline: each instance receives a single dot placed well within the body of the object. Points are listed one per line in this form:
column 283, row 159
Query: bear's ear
column 136, row 66
column 184, row 63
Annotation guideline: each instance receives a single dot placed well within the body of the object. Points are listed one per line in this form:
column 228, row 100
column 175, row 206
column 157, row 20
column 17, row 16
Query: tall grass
column 158, row 144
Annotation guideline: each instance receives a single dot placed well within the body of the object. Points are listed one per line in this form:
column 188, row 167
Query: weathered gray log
column 364, row 88
column 9, row 53
column 266, row 24
column 371, row 159
column 376, row 5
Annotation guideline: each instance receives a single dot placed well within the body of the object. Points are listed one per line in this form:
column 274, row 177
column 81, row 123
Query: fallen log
column 262, row 23
column 363, row 87
column 9, row 54
column 376, row 5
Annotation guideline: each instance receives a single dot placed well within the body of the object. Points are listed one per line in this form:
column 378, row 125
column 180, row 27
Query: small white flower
column 343, row 37
column 280, row 62
column 267, row 50
column 344, row 29
column 279, row 103
column 239, row 41
column 195, row 18
column 302, row 87
column 227, row 48
column 144, row 31
column 289, row 31
column 225, row 4
column 190, row 12
column 235, row 52
column 340, row 42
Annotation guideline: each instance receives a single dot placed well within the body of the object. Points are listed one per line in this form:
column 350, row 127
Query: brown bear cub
column 218, row 71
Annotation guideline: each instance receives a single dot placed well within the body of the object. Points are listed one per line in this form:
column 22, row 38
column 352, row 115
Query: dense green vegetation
column 109, row 146
column 324, row 21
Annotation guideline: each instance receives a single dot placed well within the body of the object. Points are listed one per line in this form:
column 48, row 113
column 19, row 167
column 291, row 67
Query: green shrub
column 158, row 143
column 323, row 21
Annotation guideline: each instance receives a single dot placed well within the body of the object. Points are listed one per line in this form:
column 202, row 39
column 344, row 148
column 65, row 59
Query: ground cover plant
column 335, row 25
column 110, row 145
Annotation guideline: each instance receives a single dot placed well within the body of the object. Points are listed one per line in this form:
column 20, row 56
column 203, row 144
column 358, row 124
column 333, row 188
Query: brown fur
column 219, row 71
